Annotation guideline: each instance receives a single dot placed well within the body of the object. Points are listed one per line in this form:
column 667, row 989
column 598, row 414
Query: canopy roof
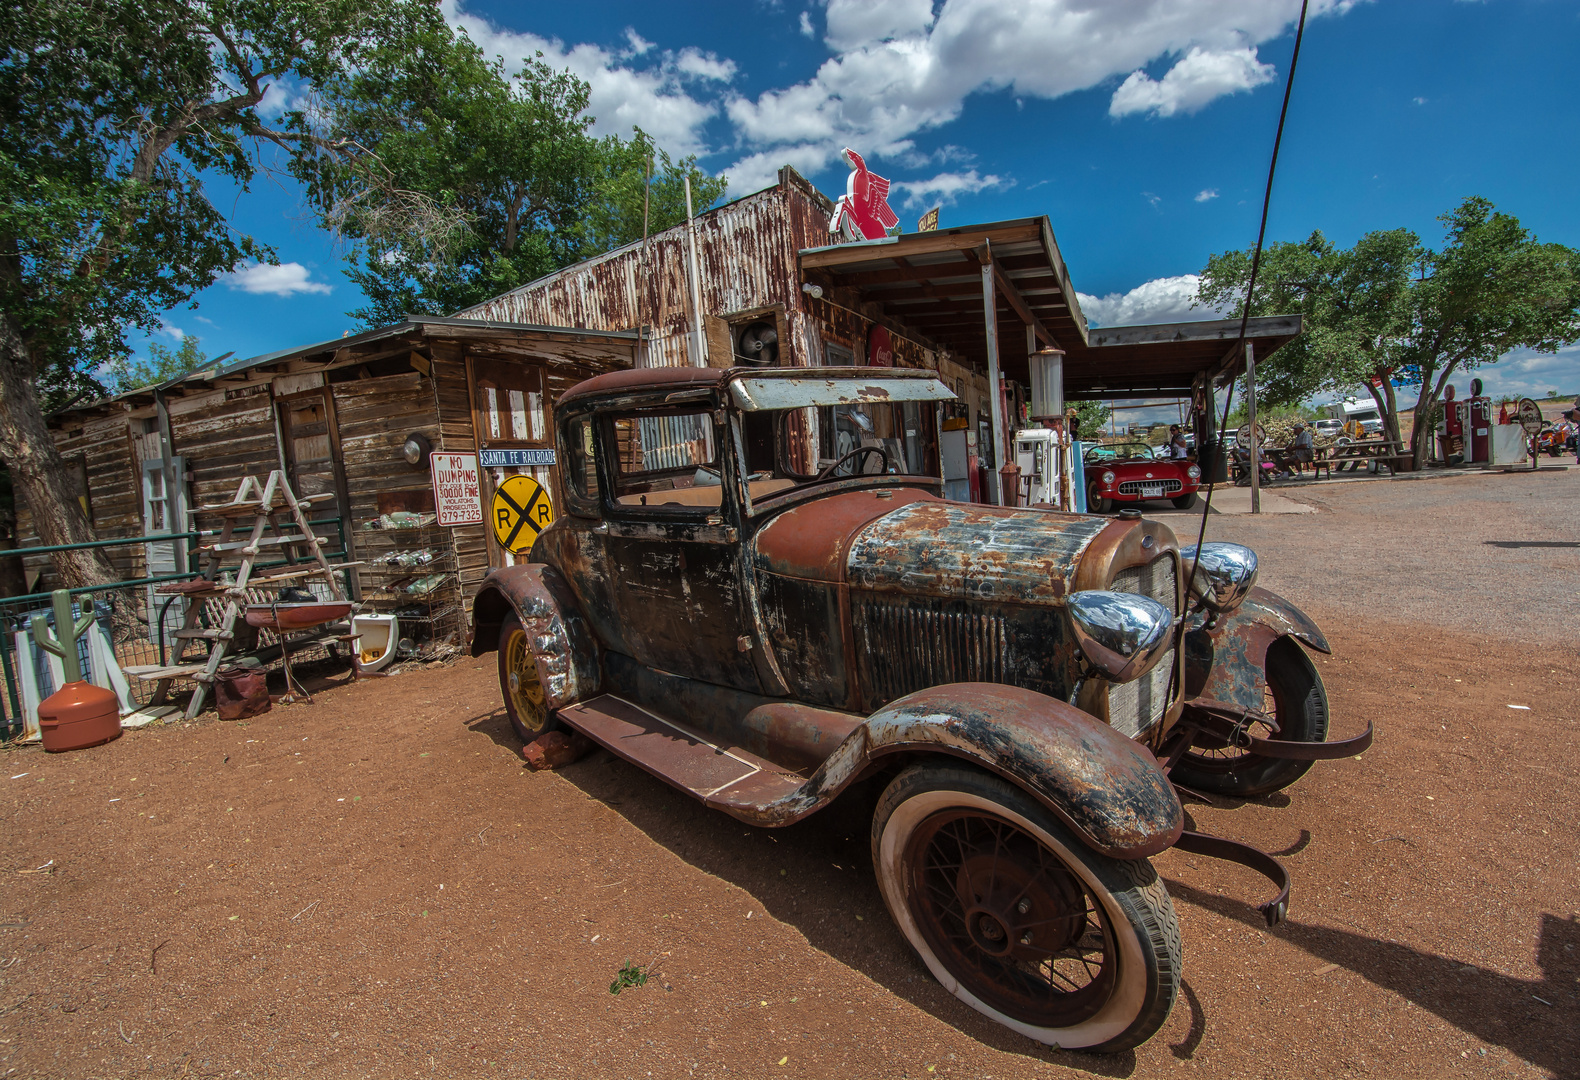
column 933, row 283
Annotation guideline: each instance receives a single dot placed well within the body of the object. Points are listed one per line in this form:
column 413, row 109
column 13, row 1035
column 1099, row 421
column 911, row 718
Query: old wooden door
column 310, row 445
column 513, row 422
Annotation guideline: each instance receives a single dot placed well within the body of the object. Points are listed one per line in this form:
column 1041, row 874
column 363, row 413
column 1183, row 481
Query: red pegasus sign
column 863, row 212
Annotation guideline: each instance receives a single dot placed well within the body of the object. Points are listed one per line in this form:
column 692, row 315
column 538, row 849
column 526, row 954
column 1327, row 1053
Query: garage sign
column 457, row 496
column 521, row 511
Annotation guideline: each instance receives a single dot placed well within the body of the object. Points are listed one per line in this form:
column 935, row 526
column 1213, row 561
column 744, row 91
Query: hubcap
column 521, row 684
column 1009, row 919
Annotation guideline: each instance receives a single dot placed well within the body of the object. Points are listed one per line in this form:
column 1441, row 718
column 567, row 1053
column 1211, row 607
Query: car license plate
column 1152, row 491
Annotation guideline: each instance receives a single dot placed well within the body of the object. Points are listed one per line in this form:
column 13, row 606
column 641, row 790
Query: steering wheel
column 855, row 451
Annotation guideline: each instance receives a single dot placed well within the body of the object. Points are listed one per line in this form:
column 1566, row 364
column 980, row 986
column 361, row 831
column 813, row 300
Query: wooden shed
column 336, row 417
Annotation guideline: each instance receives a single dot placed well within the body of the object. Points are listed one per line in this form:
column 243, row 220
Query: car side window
column 581, row 468
column 669, row 463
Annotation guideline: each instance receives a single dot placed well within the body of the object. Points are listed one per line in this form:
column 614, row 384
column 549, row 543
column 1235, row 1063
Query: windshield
column 791, row 449
column 1120, row 452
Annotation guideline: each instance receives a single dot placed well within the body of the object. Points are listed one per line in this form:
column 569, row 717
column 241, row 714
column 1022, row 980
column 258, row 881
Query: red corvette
column 1128, row 473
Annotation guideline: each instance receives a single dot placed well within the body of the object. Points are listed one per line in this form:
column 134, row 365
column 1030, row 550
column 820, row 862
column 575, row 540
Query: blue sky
column 1142, row 128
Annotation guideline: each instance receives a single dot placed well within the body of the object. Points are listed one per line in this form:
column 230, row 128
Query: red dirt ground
column 375, row 886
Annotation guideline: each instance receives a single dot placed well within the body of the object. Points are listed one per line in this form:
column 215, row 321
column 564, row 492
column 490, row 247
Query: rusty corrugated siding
column 746, row 254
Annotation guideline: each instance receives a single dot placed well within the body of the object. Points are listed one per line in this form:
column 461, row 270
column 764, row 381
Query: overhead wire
column 1250, row 289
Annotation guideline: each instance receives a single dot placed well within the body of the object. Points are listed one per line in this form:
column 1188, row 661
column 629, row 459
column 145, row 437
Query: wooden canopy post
column 995, row 403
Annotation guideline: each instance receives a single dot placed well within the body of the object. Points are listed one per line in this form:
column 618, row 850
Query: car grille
column 1135, row 706
column 905, row 649
column 1133, row 487
column 1156, row 579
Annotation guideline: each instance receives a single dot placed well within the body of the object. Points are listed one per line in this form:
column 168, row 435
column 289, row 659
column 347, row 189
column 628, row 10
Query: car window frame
column 607, row 442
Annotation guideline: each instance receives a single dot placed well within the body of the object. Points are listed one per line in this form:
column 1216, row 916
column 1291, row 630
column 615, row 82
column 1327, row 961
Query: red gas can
column 78, row 715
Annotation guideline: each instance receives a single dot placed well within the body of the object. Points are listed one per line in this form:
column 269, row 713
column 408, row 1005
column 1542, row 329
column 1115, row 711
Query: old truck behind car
column 762, row 627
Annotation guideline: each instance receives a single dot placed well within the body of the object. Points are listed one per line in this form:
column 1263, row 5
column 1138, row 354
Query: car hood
column 928, row 546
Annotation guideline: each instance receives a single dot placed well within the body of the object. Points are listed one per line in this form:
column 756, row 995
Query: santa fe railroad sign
column 521, row 511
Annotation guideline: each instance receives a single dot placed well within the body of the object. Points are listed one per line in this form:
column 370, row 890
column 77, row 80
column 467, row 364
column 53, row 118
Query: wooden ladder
column 265, row 503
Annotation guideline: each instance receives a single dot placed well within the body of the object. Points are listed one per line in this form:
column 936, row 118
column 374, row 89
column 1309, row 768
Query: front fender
column 562, row 641
column 1108, row 788
column 1226, row 663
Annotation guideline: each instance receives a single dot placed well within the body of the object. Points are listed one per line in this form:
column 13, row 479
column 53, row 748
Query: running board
column 726, row 778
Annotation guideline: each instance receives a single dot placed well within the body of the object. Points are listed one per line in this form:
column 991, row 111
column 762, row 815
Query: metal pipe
column 699, row 351
column 11, row 552
column 1256, row 444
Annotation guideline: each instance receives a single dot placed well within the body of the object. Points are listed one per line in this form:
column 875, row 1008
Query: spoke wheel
column 1002, row 909
column 1294, row 707
column 1018, row 918
column 525, row 701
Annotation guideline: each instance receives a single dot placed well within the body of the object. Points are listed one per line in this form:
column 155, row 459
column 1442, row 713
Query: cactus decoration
column 63, row 643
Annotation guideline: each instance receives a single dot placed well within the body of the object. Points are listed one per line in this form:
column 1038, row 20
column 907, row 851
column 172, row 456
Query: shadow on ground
column 1537, row 1019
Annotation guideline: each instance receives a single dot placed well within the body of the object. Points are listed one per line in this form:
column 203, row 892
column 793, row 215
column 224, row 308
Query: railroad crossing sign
column 520, row 512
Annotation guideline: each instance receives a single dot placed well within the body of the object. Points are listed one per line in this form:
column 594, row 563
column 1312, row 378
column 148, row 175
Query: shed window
column 510, row 404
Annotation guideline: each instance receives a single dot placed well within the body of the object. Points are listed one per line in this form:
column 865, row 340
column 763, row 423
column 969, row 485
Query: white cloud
column 695, row 62
column 854, row 23
column 1207, row 194
column 1201, row 77
column 900, row 70
column 621, row 96
column 807, row 29
column 639, row 45
column 946, row 187
column 1419, row 100
column 1161, row 300
column 287, row 279
column 1152, row 200
column 171, row 330
column 1524, row 373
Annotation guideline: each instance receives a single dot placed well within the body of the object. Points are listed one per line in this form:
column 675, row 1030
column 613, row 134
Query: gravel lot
column 374, row 886
column 1494, row 554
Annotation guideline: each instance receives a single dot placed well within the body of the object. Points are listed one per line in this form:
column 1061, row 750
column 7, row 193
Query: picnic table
column 1370, row 452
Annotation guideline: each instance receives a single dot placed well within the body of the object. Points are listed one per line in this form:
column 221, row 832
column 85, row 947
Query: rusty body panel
column 1107, row 787
column 1225, row 663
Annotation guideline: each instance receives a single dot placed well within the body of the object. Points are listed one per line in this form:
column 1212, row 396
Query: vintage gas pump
column 1451, row 429
column 1047, row 412
column 1478, row 428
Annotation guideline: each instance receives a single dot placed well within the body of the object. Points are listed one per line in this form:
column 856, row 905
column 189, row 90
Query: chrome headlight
column 1107, row 478
column 1193, row 472
column 1221, row 575
column 1122, row 634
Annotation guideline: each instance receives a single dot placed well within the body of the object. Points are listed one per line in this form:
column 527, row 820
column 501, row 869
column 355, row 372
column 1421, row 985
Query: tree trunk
column 38, row 474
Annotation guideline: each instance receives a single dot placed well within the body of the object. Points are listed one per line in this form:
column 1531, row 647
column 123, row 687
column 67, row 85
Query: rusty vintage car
column 1029, row 685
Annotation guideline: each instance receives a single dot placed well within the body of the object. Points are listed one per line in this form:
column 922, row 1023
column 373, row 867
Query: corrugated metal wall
column 746, row 253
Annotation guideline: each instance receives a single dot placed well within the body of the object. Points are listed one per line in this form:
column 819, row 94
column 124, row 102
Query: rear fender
column 562, row 641
column 1109, row 789
column 1226, row 663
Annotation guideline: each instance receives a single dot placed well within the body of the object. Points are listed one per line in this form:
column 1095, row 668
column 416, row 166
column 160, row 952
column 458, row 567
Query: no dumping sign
column 457, row 495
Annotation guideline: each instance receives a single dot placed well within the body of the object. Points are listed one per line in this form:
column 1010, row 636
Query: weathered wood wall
column 103, row 444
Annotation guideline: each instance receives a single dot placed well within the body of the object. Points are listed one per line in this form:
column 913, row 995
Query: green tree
column 1093, row 417
column 112, row 114
column 640, row 186
column 1390, row 309
column 125, row 374
column 468, row 179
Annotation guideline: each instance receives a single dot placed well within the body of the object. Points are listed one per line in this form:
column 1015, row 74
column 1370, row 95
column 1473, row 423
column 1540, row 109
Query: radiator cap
column 1130, row 515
